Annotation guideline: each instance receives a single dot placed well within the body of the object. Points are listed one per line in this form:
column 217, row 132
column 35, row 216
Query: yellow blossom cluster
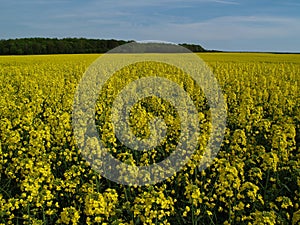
column 255, row 178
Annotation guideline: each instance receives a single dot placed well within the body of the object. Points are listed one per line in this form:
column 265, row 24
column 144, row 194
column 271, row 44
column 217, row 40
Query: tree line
column 37, row 46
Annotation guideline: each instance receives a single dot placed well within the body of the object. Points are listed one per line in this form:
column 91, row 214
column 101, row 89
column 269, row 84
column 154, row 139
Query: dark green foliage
column 193, row 48
column 38, row 46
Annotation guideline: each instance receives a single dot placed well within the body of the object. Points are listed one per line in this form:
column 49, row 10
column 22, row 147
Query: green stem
column 267, row 182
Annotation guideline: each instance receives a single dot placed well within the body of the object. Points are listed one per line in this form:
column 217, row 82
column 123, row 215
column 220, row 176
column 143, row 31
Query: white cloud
column 227, row 28
column 166, row 3
column 226, row 2
column 34, row 2
column 214, row 33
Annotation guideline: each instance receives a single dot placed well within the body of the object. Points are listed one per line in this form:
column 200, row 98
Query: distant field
column 250, row 57
column 255, row 179
column 207, row 57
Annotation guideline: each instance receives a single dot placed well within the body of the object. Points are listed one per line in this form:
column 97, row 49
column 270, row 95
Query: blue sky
column 246, row 25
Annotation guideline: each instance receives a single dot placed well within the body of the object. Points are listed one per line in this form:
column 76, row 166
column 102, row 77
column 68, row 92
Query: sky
column 232, row 25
